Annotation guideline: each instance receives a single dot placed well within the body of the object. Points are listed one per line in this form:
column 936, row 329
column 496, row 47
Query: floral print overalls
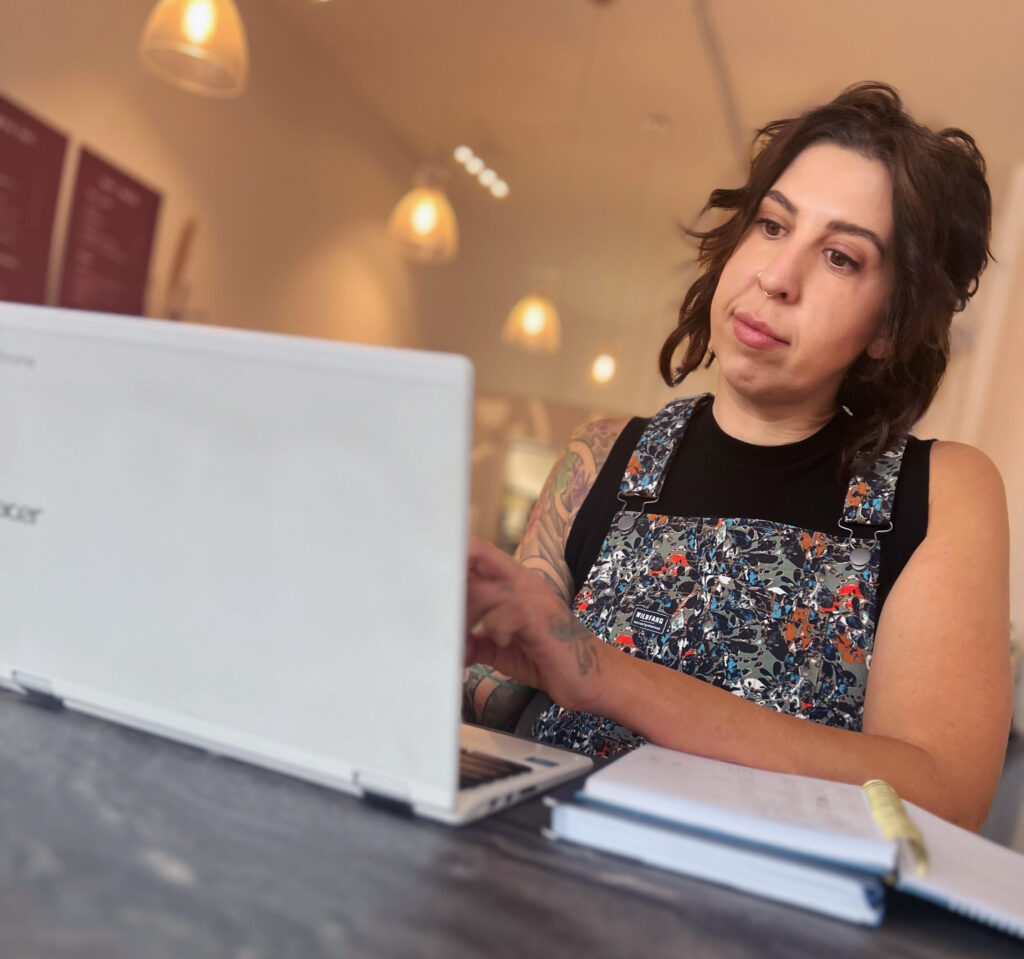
column 782, row 616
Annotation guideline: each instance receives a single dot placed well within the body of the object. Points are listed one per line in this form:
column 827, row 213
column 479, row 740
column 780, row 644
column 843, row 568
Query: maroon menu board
column 110, row 236
column 31, row 160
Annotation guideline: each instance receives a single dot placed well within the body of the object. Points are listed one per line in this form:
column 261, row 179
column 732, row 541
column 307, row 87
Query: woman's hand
column 490, row 697
column 518, row 624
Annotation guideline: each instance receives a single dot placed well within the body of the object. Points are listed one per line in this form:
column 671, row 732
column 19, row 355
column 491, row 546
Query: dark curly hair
column 942, row 212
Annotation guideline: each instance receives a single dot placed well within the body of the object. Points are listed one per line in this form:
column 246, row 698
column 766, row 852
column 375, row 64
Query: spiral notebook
column 813, row 843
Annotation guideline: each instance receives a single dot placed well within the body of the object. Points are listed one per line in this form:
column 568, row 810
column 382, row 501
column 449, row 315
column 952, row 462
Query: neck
column 767, row 424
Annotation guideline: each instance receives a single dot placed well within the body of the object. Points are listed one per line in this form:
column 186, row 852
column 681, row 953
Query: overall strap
column 871, row 493
column 649, row 462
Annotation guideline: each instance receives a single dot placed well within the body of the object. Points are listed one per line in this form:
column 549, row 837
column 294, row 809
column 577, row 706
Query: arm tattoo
column 552, row 582
column 471, row 680
column 543, row 544
column 488, row 697
column 493, row 700
column 566, row 628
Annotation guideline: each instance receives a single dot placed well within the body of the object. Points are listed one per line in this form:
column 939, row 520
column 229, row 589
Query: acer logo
column 17, row 359
column 19, row 512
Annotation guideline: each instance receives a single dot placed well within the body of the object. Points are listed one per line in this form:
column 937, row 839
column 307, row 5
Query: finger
column 484, row 597
column 503, row 660
column 499, row 626
column 486, row 561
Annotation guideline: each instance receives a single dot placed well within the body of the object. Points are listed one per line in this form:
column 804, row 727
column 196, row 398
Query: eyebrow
column 839, row 225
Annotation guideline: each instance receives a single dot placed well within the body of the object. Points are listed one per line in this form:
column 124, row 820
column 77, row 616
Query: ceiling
column 612, row 121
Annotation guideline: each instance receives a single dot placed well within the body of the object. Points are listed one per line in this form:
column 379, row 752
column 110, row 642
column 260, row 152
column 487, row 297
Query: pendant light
column 533, row 324
column 602, row 370
column 423, row 223
column 198, row 45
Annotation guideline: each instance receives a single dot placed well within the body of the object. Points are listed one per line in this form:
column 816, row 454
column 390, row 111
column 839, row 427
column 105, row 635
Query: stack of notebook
column 825, row 846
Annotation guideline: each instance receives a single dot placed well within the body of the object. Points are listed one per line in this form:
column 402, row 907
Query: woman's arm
column 488, row 697
column 937, row 710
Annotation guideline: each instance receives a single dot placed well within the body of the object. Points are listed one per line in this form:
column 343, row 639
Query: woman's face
column 822, row 244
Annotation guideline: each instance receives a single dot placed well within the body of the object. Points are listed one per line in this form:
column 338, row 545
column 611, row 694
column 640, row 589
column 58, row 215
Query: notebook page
column 806, row 815
column 967, row 873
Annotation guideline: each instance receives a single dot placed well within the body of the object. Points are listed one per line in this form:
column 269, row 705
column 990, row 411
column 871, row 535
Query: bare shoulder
column 574, row 473
column 585, row 453
column 599, row 435
column 963, row 479
column 967, row 513
column 590, row 444
column 543, row 544
column 947, row 454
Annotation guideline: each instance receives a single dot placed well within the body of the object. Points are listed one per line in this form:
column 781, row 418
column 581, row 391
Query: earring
column 761, row 288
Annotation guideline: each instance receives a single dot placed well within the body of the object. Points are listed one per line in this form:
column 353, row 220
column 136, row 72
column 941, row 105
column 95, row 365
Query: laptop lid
column 248, row 541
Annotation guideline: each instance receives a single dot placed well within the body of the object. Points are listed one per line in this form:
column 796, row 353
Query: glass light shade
column 423, row 224
column 198, row 45
column 533, row 324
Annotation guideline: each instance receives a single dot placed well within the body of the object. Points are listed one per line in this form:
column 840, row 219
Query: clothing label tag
column 649, row 619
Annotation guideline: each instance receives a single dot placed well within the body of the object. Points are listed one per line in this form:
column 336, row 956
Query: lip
column 755, row 333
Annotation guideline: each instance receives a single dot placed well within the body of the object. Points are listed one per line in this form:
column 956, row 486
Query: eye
column 770, row 227
column 841, row 261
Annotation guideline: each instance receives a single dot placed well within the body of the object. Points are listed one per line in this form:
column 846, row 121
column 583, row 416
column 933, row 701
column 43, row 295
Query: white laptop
column 252, row 543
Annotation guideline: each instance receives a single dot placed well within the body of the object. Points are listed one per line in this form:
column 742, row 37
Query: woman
column 723, row 578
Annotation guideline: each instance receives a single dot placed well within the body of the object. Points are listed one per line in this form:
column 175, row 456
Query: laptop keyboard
column 477, row 769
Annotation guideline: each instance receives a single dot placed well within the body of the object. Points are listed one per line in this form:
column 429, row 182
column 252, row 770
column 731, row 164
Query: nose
column 782, row 276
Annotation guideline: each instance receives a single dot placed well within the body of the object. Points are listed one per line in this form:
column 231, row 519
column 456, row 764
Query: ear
column 878, row 348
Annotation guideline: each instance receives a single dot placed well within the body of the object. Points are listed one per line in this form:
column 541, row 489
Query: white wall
column 980, row 399
column 999, row 429
column 291, row 183
column 469, row 300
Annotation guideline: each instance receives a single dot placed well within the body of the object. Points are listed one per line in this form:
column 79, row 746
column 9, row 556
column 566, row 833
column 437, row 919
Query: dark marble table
column 118, row 844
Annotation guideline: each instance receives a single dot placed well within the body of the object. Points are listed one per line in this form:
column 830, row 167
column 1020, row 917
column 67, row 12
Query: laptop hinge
column 38, row 691
column 383, row 792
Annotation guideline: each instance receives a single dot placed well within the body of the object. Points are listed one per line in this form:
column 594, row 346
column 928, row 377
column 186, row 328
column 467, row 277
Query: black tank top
column 714, row 475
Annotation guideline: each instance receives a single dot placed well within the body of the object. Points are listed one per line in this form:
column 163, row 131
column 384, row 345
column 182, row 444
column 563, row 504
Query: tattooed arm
column 488, row 697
